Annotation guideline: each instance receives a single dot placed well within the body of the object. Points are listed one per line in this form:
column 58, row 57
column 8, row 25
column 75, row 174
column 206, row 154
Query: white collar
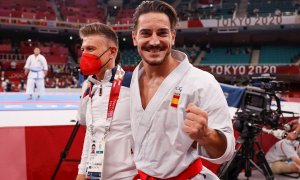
column 177, row 55
column 106, row 78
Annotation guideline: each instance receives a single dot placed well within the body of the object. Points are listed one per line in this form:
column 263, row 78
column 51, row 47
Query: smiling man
column 179, row 106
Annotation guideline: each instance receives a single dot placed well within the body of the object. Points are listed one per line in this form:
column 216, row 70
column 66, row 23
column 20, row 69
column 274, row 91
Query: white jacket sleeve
column 82, row 120
column 28, row 61
column 222, row 125
column 82, row 105
column 84, row 155
column 45, row 64
column 219, row 119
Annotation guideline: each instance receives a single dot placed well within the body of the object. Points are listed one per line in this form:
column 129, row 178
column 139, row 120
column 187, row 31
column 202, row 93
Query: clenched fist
column 195, row 123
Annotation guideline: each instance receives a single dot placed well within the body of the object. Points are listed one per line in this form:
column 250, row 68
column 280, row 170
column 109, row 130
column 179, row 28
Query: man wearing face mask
column 104, row 108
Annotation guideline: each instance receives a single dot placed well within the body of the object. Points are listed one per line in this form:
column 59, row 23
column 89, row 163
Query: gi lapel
column 144, row 123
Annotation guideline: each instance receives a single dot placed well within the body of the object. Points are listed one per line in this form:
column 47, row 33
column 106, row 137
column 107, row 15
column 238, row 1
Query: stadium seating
column 280, row 54
column 267, row 7
column 82, row 11
column 229, row 55
column 124, row 16
column 207, row 10
column 5, row 48
column 129, row 57
column 191, row 52
column 30, row 9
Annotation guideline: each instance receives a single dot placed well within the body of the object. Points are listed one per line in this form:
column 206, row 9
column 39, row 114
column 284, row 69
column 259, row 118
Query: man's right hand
column 80, row 177
column 26, row 72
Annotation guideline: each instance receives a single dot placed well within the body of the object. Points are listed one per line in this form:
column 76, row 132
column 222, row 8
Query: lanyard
column 113, row 98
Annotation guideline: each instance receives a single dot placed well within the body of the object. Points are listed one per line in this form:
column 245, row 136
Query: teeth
column 154, row 50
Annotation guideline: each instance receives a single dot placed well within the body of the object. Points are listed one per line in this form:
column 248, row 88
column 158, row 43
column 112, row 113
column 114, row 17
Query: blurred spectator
column 229, row 51
column 8, row 85
column 256, row 11
column 13, row 65
column 238, row 50
column 208, row 48
column 283, row 157
column 80, row 80
column 277, row 12
column 57, row 83
column 247, row 50
column 49, row 83
column 22, row 85
column 74, row 82
column 3, row 83
column 2, row 75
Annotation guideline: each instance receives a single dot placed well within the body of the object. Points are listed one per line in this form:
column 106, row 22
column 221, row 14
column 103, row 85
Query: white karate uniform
column 162, row 148
column 36, row 66
column 118, row 157
column 283, row 150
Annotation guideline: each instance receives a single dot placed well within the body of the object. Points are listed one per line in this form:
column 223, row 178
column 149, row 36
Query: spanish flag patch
column 176, row 96
column 174, row 102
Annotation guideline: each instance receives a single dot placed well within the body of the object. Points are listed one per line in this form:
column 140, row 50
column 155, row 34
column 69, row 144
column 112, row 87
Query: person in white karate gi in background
column 36, row 69
column 104, row 108
column 174, row 106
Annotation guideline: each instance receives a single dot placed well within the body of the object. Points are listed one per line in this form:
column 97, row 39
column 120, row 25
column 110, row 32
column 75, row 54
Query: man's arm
column 196, row 126
column 45, row 72
column 295, row 130
column 45, row 66
column 26, row 71
column 26, row 67
column 80, row 177
column 296, row 159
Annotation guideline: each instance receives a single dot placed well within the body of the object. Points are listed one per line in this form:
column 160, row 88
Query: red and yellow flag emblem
column 175, row 99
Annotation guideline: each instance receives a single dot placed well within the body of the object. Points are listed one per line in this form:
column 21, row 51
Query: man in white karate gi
column 36, row 69
column 177, row 111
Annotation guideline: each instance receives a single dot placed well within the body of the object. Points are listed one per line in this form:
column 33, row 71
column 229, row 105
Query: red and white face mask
column 90, row 64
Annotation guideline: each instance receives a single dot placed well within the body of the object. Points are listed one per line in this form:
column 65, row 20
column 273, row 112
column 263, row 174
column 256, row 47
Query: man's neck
column 100, row 75
column 160, row 71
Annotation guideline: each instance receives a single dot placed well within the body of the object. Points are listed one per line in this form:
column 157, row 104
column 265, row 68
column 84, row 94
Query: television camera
column 256, row 108
column 255, row 114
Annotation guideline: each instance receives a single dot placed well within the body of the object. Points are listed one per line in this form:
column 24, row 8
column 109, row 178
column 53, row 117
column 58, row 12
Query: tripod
column 65, row 151
column 243, row 158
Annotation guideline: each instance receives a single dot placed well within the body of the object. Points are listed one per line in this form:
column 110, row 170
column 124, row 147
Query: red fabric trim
column 190, row 172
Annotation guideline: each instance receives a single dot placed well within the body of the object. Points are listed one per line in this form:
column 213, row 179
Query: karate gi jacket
column 162, row 148
column 36, row 66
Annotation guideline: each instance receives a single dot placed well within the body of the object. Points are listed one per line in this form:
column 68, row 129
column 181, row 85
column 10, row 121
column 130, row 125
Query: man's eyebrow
column 145, row 30
column 87, row 46
column 148, row 30
column 163, row 29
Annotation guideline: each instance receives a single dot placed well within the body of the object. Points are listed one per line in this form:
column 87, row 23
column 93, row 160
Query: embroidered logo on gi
column 176, row 96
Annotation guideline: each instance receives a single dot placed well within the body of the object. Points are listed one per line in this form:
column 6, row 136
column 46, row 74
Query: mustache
column 151, row 47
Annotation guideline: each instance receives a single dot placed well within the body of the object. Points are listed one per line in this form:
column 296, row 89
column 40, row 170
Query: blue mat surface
column 49, row 101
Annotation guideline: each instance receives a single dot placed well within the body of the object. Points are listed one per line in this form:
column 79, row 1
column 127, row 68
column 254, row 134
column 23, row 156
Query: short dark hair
column 99, row 29
column 155, row 6
column 102, row 30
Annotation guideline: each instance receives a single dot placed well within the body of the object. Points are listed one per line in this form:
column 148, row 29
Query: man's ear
column 133, row 34
column 173, row 34
column 113, row 50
